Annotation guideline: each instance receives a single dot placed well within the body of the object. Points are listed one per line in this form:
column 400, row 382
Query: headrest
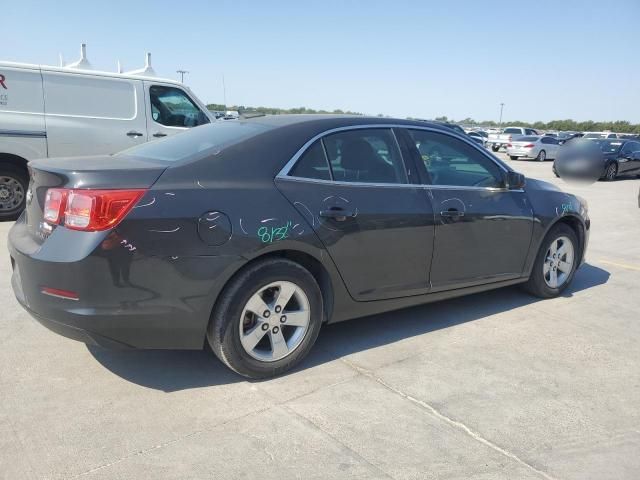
column 358, row 154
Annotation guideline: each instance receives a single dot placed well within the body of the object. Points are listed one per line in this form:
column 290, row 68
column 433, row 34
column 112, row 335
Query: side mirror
column 514, row 180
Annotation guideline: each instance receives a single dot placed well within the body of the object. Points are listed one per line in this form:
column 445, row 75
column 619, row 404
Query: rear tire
column 495, row 148
column 542, row 156
column 14, row 183
column 233, row 324
column 540, row 282
column 512, row 157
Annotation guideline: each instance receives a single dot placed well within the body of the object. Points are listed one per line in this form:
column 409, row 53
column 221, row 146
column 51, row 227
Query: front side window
column 172, row 107
column 452, row 162
column 365, row 156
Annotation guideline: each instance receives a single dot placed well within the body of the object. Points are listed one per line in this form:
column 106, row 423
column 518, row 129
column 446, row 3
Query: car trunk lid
column 82, row 173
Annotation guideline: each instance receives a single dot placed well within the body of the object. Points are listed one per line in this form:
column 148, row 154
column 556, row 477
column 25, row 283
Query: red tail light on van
column 89, row 210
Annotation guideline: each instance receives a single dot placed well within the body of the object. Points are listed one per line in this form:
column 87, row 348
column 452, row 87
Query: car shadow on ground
column 171, row 371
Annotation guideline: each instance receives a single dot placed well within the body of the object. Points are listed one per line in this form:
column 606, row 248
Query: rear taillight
column 510, row 138
column 89, row 210
column 509, row 145
column 54, row 205
column 529, row 145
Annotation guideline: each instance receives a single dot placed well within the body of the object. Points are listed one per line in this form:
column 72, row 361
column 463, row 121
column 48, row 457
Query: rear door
column 355, row 191
column 550, row 145
column 483, row 230
column 92, row 114
column 171, row 110
column 629, row 161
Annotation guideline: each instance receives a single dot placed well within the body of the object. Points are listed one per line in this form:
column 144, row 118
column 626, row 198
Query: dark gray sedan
column 250, row 235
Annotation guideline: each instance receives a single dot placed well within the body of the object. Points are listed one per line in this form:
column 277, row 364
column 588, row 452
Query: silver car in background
column 534, row 147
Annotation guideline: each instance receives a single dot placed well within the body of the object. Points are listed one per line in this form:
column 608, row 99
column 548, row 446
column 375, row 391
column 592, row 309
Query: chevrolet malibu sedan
column 534, row 147
column 250, row 235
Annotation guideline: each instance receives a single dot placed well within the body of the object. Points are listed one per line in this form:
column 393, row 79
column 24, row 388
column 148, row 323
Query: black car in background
column 620, row 157
column 251, row 234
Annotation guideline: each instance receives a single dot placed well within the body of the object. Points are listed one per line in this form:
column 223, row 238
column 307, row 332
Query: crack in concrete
column 454, row 423
column 166, row 444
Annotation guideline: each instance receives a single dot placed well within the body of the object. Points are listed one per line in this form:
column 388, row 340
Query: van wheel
column 13, row 191
column 267, row 319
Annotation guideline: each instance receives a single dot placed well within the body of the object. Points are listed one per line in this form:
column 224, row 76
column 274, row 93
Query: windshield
column 209, row 138
column 609, row 146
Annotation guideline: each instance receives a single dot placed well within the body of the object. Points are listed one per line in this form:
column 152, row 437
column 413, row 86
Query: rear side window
column 452, row 162
column 312, row 164
column 365, row 156
column 89, row 96
column 207, row 139
column 172, row 107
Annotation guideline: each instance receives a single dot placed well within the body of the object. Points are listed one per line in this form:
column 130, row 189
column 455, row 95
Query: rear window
column 200, row 140
column 512, row 130
column 528, row 139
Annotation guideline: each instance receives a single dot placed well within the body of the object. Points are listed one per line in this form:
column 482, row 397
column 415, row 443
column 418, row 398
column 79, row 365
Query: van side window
column 172, row 107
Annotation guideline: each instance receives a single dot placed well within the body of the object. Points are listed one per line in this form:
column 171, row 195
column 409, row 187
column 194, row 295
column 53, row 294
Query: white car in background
column 533, row 147
column 74, row 110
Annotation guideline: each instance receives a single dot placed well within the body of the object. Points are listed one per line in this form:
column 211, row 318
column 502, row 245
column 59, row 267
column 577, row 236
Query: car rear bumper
column 123, row 302
column 521, row 153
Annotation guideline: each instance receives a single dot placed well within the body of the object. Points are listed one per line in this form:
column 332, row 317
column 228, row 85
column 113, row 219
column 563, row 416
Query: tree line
column 620, row 126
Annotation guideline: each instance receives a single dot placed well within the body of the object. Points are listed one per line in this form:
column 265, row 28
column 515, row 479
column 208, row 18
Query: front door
column 377, row 227
column 483, row 230
column 170, row 110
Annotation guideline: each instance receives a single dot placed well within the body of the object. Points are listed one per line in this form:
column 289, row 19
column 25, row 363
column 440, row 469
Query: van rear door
column 171, row 110
column 92, row 114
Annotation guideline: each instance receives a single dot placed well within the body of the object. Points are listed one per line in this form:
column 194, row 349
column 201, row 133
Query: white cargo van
column 70, row 111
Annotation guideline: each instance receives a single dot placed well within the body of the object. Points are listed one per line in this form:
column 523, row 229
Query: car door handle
column 134, row 134
column 452, row 213
column 337, row 214
column 159, row 134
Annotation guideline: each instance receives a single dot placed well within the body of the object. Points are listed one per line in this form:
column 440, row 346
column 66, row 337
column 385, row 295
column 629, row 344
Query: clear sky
column 544, row 59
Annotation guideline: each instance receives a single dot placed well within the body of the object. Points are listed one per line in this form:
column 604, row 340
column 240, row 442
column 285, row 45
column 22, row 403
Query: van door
column 171, row 110
column 92, row 114
column 22, row 131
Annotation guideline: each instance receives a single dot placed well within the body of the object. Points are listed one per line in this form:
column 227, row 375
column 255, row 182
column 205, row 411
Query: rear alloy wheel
column 542, row 156
column 555, row 264
column 267, row 319
column 611, row 172
column 13, row 191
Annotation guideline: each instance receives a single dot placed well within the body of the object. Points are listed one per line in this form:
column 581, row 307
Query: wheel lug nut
column 283, row 318
column 278, row 309
column 266, row 314
column 265, row 326
column 276, row 329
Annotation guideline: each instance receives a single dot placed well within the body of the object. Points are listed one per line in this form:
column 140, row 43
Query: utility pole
column 501, row 107
column 224, row 92
column 182, row 72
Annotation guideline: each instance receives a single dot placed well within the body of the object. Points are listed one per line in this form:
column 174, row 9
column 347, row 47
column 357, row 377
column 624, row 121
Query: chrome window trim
column 422, row 186
column 284, row 172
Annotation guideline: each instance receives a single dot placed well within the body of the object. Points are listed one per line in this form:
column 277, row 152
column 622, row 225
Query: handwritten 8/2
column 273, row 234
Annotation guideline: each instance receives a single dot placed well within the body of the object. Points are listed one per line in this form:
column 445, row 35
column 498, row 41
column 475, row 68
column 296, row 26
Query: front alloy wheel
column 558, row 263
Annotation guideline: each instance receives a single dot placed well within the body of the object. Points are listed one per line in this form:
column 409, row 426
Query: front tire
column 13, row 191
column 267, row 319
column 611, row 172
column 555, row 264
